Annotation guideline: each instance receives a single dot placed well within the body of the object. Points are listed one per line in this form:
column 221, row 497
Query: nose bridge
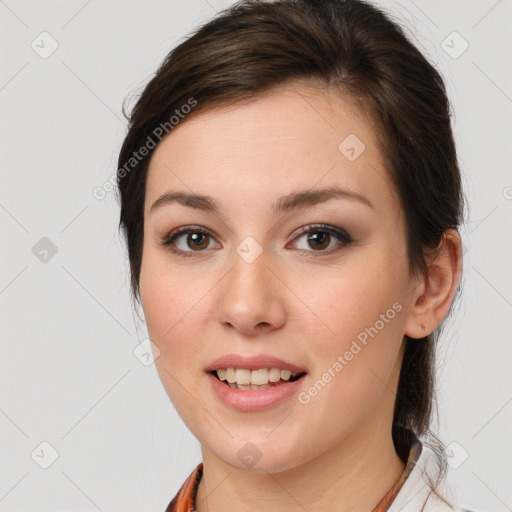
column 249, row 297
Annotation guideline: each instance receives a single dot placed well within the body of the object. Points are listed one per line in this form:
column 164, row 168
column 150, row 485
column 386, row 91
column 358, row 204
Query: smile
column 263, row 378
column 255, row 397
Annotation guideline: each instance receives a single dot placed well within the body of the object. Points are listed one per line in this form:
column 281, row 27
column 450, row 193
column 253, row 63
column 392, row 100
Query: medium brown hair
column 356, row 50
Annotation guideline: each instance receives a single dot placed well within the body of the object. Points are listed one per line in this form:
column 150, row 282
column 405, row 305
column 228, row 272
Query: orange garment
column 184, row 501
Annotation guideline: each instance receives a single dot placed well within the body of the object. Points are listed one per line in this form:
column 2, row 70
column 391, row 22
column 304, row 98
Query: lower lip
column 254, row 400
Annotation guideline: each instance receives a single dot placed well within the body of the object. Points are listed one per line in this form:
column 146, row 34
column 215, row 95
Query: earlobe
column 435, row 293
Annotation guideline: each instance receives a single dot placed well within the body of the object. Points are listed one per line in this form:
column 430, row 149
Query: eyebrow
column 285, row 204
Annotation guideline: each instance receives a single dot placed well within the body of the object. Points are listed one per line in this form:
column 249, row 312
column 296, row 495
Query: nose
column 251, row 298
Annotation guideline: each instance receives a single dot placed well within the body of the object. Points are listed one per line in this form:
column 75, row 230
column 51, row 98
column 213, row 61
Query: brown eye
column 187, row 240
column 197, row 241
column 319, row 240
column 322, row 238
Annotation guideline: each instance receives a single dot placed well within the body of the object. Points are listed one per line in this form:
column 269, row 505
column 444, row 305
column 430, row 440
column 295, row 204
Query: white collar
column 415, row 494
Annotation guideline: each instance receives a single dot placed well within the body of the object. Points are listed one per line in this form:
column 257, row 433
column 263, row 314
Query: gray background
column 69, row 374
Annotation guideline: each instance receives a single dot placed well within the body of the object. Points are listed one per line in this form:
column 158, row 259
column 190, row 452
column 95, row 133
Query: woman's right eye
column 188, row 240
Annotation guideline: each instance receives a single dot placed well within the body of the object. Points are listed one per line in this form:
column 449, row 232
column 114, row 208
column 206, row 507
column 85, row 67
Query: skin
column 294, row 301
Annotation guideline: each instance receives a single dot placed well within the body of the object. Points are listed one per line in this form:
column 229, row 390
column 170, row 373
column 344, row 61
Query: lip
column 256, row 400
column 252, row 363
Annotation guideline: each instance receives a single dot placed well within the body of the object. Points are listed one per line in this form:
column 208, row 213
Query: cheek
column 166, row 296
column 172, row 308
column 359, row 316
column 159, row 304
column 353, row 300
column 177, row 309
column 355, row 366
column 163, row 307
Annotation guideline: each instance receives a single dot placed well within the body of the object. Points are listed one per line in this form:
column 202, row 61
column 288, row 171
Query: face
column 297, row 253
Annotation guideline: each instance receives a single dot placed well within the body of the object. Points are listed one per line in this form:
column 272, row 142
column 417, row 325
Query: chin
column 262, row 454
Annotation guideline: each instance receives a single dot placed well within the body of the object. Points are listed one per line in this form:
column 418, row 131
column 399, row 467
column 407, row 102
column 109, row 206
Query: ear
column 434, row 294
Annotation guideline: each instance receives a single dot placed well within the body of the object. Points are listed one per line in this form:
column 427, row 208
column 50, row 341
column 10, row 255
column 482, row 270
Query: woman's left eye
column 322, row 238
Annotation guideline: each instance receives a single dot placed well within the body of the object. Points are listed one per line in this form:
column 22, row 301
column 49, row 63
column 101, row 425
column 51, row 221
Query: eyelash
column 343, row 237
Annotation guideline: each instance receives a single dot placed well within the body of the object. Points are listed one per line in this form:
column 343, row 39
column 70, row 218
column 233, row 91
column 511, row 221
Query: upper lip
column 252, row 363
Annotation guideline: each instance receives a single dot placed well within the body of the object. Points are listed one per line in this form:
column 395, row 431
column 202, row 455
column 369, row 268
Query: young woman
column 290, row 198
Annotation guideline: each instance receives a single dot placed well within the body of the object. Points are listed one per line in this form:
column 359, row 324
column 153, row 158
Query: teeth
column 250, row 387
column 274, row 374
column 230, row 375
column 246, row 379
column 259, row 377
column 243, row 376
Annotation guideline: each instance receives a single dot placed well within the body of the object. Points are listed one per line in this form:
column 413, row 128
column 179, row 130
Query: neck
column 351, row 477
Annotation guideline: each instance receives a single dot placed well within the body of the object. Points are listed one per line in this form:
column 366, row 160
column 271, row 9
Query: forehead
column 294, row 137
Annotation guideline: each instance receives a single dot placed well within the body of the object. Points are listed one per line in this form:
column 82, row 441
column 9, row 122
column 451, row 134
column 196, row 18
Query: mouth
column 253, row 380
